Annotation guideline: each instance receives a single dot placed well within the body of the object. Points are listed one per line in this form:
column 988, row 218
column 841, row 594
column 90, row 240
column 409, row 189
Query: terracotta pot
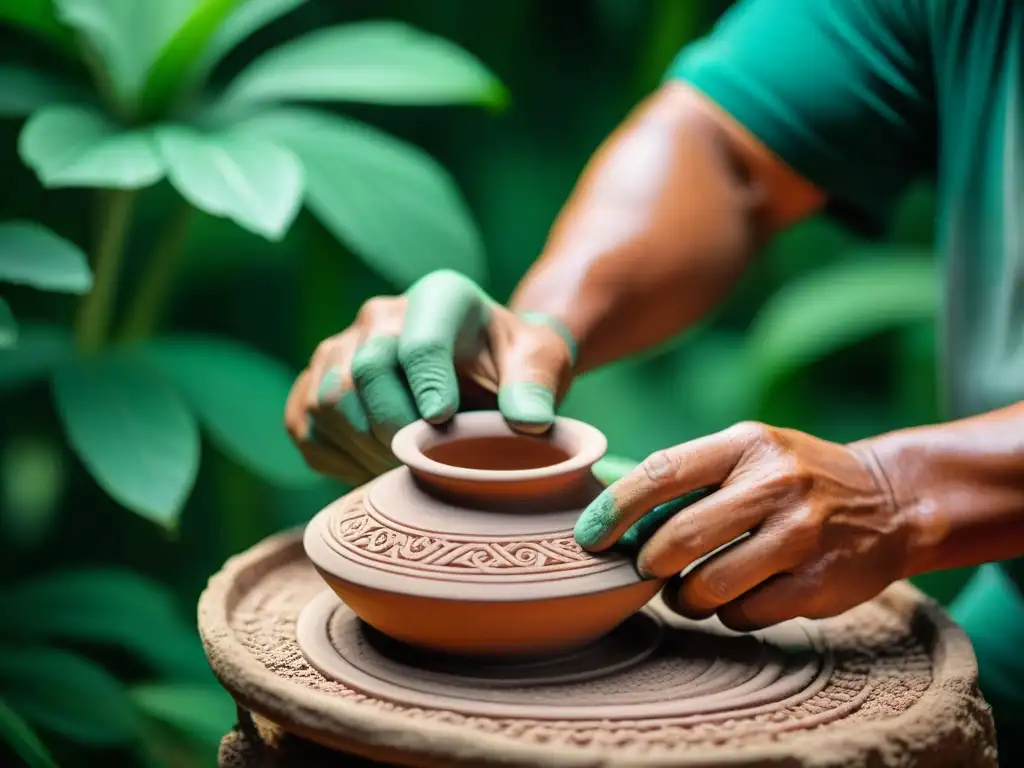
column 468, row 548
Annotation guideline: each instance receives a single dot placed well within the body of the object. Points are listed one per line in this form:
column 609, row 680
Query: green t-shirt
column 862, row 97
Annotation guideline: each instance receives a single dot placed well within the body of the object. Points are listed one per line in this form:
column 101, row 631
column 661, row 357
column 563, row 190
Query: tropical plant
column 144, row 112
column 34, row 256
column 49, row 682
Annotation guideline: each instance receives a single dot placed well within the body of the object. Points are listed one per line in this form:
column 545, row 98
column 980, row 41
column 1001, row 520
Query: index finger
column 445, row 311
column 662, row 477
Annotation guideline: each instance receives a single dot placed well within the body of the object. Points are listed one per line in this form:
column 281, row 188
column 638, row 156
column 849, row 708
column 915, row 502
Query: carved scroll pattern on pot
column 365, row 535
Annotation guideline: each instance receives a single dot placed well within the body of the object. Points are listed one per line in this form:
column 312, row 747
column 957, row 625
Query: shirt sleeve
column 840, row 90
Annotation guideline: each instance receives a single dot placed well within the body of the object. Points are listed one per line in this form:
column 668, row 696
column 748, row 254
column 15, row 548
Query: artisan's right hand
column 415, row 356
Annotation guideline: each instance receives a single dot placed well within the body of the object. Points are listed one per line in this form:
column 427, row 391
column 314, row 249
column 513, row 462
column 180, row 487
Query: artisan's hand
column 825, row 533
column 412, row 356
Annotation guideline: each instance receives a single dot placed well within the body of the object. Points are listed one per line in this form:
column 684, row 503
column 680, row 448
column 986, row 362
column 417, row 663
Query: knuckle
column 661, row 465
column 803, row 525
column 755, row 433
column 323, row 348
column 706, row 590
column 787, row 481
column 685, row 535
column 375, row 308
column 368, row 363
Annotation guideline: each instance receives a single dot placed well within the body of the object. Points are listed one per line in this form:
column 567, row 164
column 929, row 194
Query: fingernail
column 527, row 403
column 329, row 386
column 596, row 520
column 645, row 574
column 351, row 409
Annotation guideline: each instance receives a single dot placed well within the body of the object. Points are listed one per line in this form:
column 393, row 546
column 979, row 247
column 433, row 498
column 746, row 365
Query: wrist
column 893, row 458
column 555, row 324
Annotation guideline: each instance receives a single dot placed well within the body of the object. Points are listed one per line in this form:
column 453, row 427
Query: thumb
column 534, row 367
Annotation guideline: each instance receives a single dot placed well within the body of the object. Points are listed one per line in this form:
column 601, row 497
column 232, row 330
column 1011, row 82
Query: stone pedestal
column 890, row 683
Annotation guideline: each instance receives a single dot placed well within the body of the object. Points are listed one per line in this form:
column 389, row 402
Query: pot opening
column 498, row 453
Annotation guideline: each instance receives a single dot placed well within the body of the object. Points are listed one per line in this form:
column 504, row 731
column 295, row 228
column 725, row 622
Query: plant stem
column 93, row 320
column 150, row 300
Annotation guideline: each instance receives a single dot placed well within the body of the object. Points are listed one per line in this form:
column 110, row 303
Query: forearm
column 664, row 219
column 961, row 486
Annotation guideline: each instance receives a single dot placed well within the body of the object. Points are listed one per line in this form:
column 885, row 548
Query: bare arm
column 961, row 486
column 664, row 219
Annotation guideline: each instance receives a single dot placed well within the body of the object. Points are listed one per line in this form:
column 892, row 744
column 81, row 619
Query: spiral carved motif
column 363, row 532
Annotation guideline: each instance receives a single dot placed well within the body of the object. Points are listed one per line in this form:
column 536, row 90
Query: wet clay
column 890, row 683
column 468, row 548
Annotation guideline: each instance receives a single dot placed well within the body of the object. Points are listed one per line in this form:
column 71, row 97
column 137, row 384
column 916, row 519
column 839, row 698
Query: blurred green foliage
column 242, row 179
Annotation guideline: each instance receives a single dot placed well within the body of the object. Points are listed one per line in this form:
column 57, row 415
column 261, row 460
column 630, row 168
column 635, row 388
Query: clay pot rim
column 407, row 446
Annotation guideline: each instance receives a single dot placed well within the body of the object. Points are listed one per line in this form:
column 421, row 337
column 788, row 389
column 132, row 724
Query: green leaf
column 66, row 694
column 389, row 201
column 41, row 348
column 126, row 36
column 132, row 431
column 201, row 712
column 379, row 62
column 37, row 17
column 251, row 16
column 73, row 146
column 108, row 606
column 22, row 740
column 8, row 326
column 836, row 306
column 24, row 90
column 250, row 181
column 169, row 73
column 239, row 396
column 32, row 255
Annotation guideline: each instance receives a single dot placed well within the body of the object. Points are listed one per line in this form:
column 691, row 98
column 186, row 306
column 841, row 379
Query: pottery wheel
column 890, row 683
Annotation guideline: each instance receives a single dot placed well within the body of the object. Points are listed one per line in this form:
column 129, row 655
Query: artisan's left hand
column 825, row 532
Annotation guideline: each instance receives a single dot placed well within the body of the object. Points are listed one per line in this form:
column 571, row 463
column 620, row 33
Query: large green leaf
column 239, row 395
column 107, row 606
column 24, row 90
column 389, row 201
column 248, row 180
column 126, row 35
column 839, row 305
column 41, row 348
column 132, row 431
column 66, row 694
column 201, row 712
column 381, row 62
column 170, row 71
column 74, row 146
column 19, row 736
column 33, row 255
column 37, row 17
column 251, row 16
column 8, row 326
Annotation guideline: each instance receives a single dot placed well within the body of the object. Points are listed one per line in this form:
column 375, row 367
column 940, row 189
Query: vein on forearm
column 665, row 218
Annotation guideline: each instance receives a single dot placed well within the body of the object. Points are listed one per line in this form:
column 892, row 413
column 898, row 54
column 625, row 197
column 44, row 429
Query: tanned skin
column 668, row 214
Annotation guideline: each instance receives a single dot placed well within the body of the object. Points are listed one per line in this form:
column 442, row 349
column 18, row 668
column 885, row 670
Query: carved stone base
column 891, row 683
